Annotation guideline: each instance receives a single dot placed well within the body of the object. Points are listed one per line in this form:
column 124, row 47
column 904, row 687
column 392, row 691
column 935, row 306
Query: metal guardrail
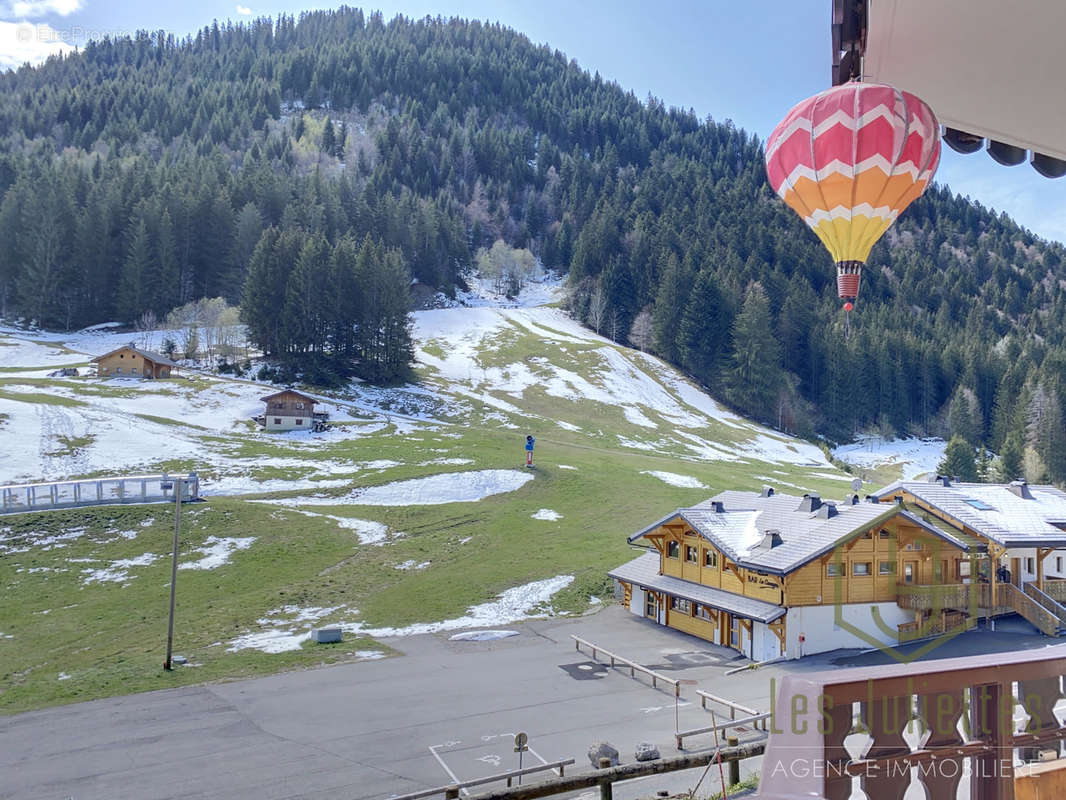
column 633, row 666
column 755, row 721
column 23, row 497
column 605, row 778
column 452, row 790
column 733, row 707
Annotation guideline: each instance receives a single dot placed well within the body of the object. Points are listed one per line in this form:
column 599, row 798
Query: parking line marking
column 447, row 769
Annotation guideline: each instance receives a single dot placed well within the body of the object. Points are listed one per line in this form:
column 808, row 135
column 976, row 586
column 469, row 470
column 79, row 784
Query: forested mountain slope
column 143, row 173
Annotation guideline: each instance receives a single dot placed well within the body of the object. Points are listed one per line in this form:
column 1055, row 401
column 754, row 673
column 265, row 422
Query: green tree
column 958, row 460
column 755, row 373
column 1010, row 458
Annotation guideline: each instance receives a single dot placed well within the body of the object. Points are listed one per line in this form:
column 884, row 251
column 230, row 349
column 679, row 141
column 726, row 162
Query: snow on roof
column 994, row 510
column 739, row 530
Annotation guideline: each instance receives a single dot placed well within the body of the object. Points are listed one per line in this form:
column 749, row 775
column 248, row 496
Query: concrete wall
column 821, row 633
column 275, row 423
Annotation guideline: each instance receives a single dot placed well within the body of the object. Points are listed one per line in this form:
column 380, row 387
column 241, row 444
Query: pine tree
column 705, row 329
column 133, row 292
column 755, row 374
column 958, row 460
column 1010, row 458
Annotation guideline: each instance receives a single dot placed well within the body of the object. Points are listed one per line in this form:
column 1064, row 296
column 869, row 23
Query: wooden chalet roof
column 739, row 529
column 1012, row 515
column 306, row 397
column 148, row 355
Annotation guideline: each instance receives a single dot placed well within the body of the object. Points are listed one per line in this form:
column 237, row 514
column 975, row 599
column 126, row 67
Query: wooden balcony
column 965, row 710
column 977, row 600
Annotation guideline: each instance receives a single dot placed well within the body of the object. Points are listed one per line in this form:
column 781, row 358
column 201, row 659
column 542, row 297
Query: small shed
column 132, row 362
column 290, row 410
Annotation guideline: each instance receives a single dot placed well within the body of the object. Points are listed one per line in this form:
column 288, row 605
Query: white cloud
column 244, row 10
column 38, row 8
column 22, row 42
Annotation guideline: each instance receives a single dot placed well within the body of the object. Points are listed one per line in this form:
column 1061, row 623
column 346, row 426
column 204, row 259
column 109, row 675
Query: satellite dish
column 856, row 484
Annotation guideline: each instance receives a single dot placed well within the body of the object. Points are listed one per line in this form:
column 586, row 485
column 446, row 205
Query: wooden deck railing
column 946, row 622
column 1044, row 620
column 1047, row 601
column 964, row 707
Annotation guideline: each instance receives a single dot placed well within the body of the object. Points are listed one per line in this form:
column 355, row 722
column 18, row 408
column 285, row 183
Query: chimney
column 811, row 502
column 943, row 480
column 871, row 499
column 1020, row 488
column 771, row 539
column 827, row 511
column 718, row 506
column 852, row 500
column 767, row 491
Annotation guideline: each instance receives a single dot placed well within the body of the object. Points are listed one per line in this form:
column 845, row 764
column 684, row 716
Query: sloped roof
column 994, row 511
column 644, row 571
column 739, row 530
column 289, row 391
column 149, row 355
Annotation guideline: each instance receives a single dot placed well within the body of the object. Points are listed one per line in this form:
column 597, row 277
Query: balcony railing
column 965, row 710
column 949, row 622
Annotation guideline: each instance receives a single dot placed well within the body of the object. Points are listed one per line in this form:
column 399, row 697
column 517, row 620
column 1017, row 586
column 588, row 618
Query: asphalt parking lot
column 443, row 712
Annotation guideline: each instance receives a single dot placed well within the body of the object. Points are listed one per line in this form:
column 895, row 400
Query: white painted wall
column 636, row 601
column 287, row 423
column 817, row 624
column 767, row 645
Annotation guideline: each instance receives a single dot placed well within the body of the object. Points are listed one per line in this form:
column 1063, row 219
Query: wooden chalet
column 774, row 575
column 290, row 410
column 132, row 362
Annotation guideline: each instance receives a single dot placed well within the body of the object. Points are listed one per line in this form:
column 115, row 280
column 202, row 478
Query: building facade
column 773, row 575
column 132, row 362
column 290, row 410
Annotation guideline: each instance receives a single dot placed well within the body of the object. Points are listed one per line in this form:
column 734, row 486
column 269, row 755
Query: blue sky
column 746, row 62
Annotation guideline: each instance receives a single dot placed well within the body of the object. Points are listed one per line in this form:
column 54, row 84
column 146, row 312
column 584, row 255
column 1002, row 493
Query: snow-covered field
column 915, row 457
column 469, row 378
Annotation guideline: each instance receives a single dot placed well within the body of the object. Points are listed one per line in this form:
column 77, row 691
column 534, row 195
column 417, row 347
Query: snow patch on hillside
column 216, row 551
column 448, row 487
column 915, row 457
column 672, row 478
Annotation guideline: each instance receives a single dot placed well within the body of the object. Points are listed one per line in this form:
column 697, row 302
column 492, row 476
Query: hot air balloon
column 848, row 161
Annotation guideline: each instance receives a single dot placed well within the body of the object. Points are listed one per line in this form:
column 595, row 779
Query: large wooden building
column 132, row 362
column 775, row 575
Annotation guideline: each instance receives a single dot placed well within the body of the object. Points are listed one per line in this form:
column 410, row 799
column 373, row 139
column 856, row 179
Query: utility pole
column 178, row 484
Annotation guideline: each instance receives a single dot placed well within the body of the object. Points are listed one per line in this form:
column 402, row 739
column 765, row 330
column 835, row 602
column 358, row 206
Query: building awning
column 644, row 571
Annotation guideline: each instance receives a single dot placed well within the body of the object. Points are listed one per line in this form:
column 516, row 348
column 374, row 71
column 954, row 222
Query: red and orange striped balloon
column 848, row 161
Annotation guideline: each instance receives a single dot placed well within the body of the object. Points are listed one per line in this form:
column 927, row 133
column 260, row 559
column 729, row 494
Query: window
column 673, row 549
column 868, row 535
column 980, row 505
column 118, row 369
column 121, row 355
column 1058, row 563
column 164, row 373
column 908, row 573
column 133, row 370
column 649, row 605
column 299, row 405
column 299, row 422
column 1029, row 566
column 964, row 569
column 680, row 604
column 886, row 568
column 703, row 612
column 860, row 568
column 277, row 421
column 692, row 554
column 734, row 631
column 832, row 570
column 710, row 558
column 883, row 534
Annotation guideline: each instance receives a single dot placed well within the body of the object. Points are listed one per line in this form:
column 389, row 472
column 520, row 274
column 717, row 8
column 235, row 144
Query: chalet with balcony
column 132, row 362
column 290, row 410
column 1022, row 528
column 773, row 575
